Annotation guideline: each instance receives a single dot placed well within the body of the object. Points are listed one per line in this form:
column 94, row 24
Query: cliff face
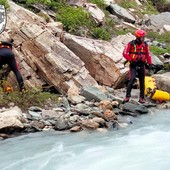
column 43, row 58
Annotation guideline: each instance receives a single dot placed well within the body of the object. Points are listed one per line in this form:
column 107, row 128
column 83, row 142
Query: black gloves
column 149, row 66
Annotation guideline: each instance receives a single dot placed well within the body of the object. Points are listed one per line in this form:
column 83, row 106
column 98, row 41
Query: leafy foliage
column 165, row 37
column 128, row 4
column 159, row 51
column 99, row 3
column 149, row 9
column 5, row 3
column 73, row 18
column 28, row 98
column 100, row 33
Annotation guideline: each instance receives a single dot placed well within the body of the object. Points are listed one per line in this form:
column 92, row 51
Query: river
column 144, row 145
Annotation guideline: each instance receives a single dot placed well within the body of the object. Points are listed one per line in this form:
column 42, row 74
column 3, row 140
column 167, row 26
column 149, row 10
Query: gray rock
column 48, row 123
column 61, row 124
column 51, row 114
column 35, row 115
column 90, row 124
column 121, row 13
column 74, row 119
column 156, row 60
column 66, row 103
column 75, row 99
column 125, row 119
column 11, row 120
column 93, row 93
column 101, row 121
column 38, row 125
column 159, row 20
column 35, row 109
column 82, row 106
column 162, row 81
column 90, row 104
column 140, row 109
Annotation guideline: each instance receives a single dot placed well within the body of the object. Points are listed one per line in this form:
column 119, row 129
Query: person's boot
column 126, row 100
column 21, row 87
column 141, row 100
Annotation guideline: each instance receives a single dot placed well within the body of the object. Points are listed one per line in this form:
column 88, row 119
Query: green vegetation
column 100, row 33
column 99, row 3
column 5, row 3
column 122, row 31
column 164, row 38
column 149, row 9
column 73, row 18
column 128, row 4
column 159, row 51
column 77, row 21
column 28, row 98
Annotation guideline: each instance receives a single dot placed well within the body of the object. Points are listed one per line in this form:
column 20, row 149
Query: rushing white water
column 144, row 145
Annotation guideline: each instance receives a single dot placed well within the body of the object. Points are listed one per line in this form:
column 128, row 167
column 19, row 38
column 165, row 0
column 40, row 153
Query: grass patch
column 99, row 3
column 122, row 31
column 5, row 3
column 165, row 37
column 149, row 9
column 127, row 4
column 100, row 33
column 159, row 51
column 162, row 38
column 73, row 18
column 30, row 97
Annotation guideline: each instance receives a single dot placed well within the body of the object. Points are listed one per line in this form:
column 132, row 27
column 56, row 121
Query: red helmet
column 140, row 33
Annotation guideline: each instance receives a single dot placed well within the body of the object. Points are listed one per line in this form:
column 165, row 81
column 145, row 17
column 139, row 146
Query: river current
column 143, row 145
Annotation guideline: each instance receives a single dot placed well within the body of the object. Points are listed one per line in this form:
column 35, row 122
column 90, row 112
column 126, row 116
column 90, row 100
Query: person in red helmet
column 138, row 54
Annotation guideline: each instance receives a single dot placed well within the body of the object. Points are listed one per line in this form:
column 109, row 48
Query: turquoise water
column 144, row 145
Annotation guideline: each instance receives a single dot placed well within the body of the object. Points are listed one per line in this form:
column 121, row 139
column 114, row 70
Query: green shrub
column 165, row 37
column 30, row 97
column 100, row 33
column 128, row 4
column 99, row 3
column 121, row 31
column 45, row 2
column 149, row 9
column 159, row 51
column 74, row 18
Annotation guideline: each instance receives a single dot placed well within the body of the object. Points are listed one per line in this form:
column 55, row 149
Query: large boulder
column 121, row 13
column 41, row 53
column 11, row 120
column 96, row 12
column 103, row 60
column 162, row 81
column 158, row 21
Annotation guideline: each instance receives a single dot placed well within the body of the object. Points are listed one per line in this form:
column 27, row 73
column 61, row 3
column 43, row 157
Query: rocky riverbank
column 93, row 109
column 76, row 66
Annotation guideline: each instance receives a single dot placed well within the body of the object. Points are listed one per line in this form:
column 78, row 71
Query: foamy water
column 144, row 145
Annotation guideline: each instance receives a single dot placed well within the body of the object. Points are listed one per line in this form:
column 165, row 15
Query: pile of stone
column 91, row 110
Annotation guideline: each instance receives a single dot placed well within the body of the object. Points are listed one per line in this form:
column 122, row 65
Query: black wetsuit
column 138, row 69
column 7, row 57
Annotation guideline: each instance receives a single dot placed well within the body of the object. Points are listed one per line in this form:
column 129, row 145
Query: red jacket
column 135, row 52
